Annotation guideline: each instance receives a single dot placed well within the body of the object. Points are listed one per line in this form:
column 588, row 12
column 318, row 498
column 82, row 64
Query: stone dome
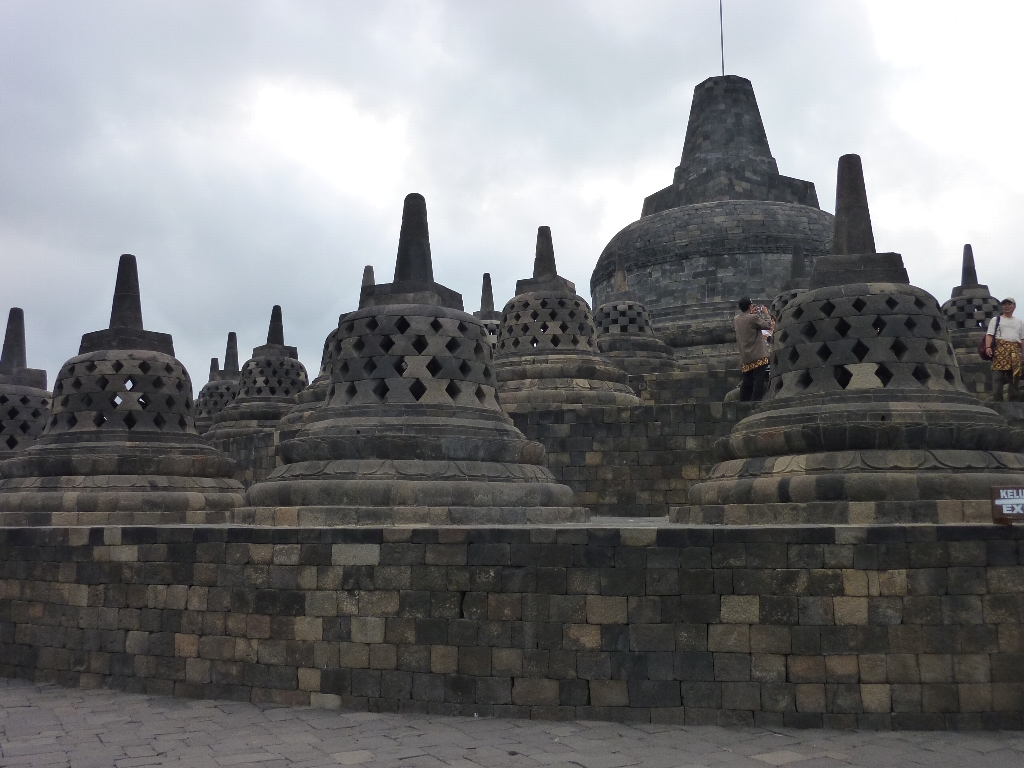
column 971, row 305
column 221, row 389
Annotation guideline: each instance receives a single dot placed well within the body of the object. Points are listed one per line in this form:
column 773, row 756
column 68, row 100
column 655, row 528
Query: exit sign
column 1007, row 504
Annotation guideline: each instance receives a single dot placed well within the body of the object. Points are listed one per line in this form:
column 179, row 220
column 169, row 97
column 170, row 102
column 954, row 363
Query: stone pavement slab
column 45, row 725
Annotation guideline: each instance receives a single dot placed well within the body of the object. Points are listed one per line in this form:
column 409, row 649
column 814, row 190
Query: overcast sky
column 257, row 153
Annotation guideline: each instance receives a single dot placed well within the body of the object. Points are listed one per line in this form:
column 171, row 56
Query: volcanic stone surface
column 120, row 445
column 411, row 431
column 221, row 389
column 24, row 399
column 625, row 332
column 866, row 418
column 267, row 385
column 725, row 228
column 547, row 354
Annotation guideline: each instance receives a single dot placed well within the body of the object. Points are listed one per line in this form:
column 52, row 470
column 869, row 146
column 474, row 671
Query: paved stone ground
column 46, row 726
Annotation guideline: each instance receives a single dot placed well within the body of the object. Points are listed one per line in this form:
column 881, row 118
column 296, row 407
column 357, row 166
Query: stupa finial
column 968, row 273
column 544, row 261
column 414, row 263
column 486, row 294
column 214, row 368
column 368, row 275
column 126, row 310
column 275, row 334
column 853, row 233
column 13, row 356
column 231, row 354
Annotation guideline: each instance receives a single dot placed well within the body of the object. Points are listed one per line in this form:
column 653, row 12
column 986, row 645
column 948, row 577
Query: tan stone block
column 307, row 577
column 324, row 700
column 972, row 668
column 874, row 590
column 309, row 679
column 975, row 697
column 872, row 668
column 952, row 512
column 186, row 645
column 378, row 603
column 309, row 628
column 534, row 692
column 768, row 667
column 862, row 512
column 235, row 624
column 936, row 667
column 261, row 554
column 810, row 698
column 850, row 610
column 384, row 656
column 177, row 596
column 729, row 638
column 609, row 693
column 842, row 669
column 638, row 537
column 246, row 650
column 367, row 629
column 581, row 637
column 507, row 662
column 217, row 647
column 892, row 583
column 136, row 642
column 197, row 670
column 444, row 659
column 1005, row 579
column 806, row 669
column 876, row 698
column 353, row 655
column 606, row 610
column 287, row 554
column 855, row 583
column 125, row 553
column 770, row 638
column 355, row 554
column 740, row 609
column 257, row 626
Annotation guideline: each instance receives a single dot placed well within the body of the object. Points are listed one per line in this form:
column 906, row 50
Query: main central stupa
column 725, row 228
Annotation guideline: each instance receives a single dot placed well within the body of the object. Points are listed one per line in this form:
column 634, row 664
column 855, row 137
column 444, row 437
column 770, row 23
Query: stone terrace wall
column 631, row 461
column 904, row 627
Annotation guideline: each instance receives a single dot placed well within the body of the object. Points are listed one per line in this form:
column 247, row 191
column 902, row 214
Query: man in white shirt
column 1005, row 340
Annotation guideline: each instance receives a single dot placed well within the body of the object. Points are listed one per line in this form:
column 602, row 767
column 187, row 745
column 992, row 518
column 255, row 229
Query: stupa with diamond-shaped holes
column 866, row 418
column 246, row 428
column 24, row 401
column 120, row 445
column 221, row 389
column 411, row 431
column 547, row 355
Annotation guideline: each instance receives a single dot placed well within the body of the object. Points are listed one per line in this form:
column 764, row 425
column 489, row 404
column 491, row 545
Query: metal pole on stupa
column 411, row 431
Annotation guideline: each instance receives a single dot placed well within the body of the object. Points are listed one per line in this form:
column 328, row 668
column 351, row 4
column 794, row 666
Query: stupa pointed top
column 231, row 354
column 486, row 294
column 275, row 333
column 414, row 263
column 125, row 330
column 368, row 275
column 414, row 269
column 968, row 273
column 13, row 358
column 725, row 120
column 214, row 369
column 853, row 232
column 126, row 310
column 544, row 260
column 853, row 258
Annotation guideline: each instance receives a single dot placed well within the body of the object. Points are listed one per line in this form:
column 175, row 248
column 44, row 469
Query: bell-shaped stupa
column 120, row 446
column 625, row 332
column 487, row 314
column 267, row 385
column 725, row 228
column 866, row 418
column 24, row 401
column 221, row 389
column 411, row 431
column 547, row 355
column 967, row 313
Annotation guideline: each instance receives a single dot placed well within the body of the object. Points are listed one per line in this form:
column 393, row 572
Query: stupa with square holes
column 24, row 400
column 547, row 354
column 625, row 332
column 246, row 429
column 411, row 431
column 120, row 445
column 866, row 418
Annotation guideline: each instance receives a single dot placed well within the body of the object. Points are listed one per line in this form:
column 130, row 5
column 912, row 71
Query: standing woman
column 1005, row 340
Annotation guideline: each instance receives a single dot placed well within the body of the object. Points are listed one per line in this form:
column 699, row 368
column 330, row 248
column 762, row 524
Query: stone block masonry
column 889, row 626
column 631, row 461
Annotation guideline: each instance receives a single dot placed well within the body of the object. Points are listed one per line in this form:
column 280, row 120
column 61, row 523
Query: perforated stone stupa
column 411, row 431
column 487, row 314
column 221, row 389
column 120, row 445
column 24, row 400
column 866, row 419
column 625, row 332
column 267, row 386
column 725, row 228
column 547, row 353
